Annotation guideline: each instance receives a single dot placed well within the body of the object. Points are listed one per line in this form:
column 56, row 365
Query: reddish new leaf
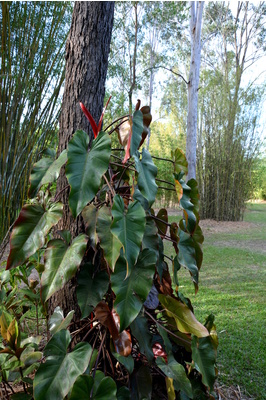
column 158, row 351
column 110, row 319
column 90, row 118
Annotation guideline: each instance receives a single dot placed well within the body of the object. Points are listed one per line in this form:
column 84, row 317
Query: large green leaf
column 129, row 228
column 84, row 169
column 139, row 329
column 131, row 292
column 48, row 175
column 82, row 388
column 61, row 263
column 123, row 393
column 110, row 244
column 56, row 376
column 185, row 319
column 187, row 254
column 190, row 219
column 150, row 239
column 128, row 361
column 203, row 355
column 58, row 322
column 146, row 174
column 99, row 388
column 137, row 129
column 91, row 288
column 177, row 372
column 89, row 215
column 38, row 171
column 180, row 161
column 30, row 230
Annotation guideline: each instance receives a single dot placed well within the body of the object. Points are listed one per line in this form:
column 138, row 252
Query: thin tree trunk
column 193, row 86
column 87, row 51
column 134, row 61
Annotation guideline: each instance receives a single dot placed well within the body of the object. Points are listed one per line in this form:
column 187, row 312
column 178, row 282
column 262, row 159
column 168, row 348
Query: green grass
column 232, row 287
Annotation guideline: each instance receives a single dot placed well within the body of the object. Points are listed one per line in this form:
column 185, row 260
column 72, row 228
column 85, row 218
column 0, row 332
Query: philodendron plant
column 141, row 337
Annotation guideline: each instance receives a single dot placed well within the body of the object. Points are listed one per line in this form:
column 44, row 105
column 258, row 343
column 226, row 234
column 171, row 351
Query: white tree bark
column 196, row 11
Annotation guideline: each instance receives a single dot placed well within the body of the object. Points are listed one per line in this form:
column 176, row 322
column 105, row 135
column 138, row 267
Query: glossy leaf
column 190, row 219
column 110, row 244
column 91, row 288
column 84, row 169
column 100, row 388
column 53, row 171
column 131, row 292
column 150, row 239
column 140, row 330
column 176, row 371
column 185, row 320
column 137, row 129
column 56, row 376
column 89, row 215
column 203, row 355
column 123, row 393
column 30, row 230
column 194, row 193
column 128, row 361
column 38, row 171
column 162, row 222
column 180, row 161
column 82, row 388
column 146, row 174
column 129, row 228
column 187, row 255
column 61, row 263
column 104, row 387
column 58, row 322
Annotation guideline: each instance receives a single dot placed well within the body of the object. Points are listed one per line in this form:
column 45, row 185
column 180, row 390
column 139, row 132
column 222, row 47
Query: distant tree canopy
column 229, row 102
column 32, row 38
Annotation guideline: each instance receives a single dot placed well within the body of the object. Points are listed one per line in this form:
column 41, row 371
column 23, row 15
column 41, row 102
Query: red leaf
column 158, row 351
column 89, row 117
column 111, row 320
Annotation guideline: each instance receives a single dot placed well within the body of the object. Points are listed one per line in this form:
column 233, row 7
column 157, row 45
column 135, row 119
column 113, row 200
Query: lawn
column 232, row 287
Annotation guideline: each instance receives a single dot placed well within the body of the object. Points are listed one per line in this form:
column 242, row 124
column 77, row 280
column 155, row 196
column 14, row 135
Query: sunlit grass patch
column 232, row 287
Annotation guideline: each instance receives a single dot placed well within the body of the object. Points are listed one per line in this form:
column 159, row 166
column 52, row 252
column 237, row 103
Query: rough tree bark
column 196, row 11
column 87, row 51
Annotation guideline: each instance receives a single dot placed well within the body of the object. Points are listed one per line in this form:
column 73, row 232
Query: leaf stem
column 161, row 180
column 163, row 159
column 116, row 120
column 160, row 220
column 57, row 195
column 98, row 357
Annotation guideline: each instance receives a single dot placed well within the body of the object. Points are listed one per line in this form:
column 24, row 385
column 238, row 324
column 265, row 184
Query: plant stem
column 64, row 188
column 163, row 159
column 161, row 180
column 160, row 220
column 116, row 120
column 167, row 330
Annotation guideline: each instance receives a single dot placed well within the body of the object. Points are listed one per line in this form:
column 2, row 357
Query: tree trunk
column 193, row 86
column 87, row 51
